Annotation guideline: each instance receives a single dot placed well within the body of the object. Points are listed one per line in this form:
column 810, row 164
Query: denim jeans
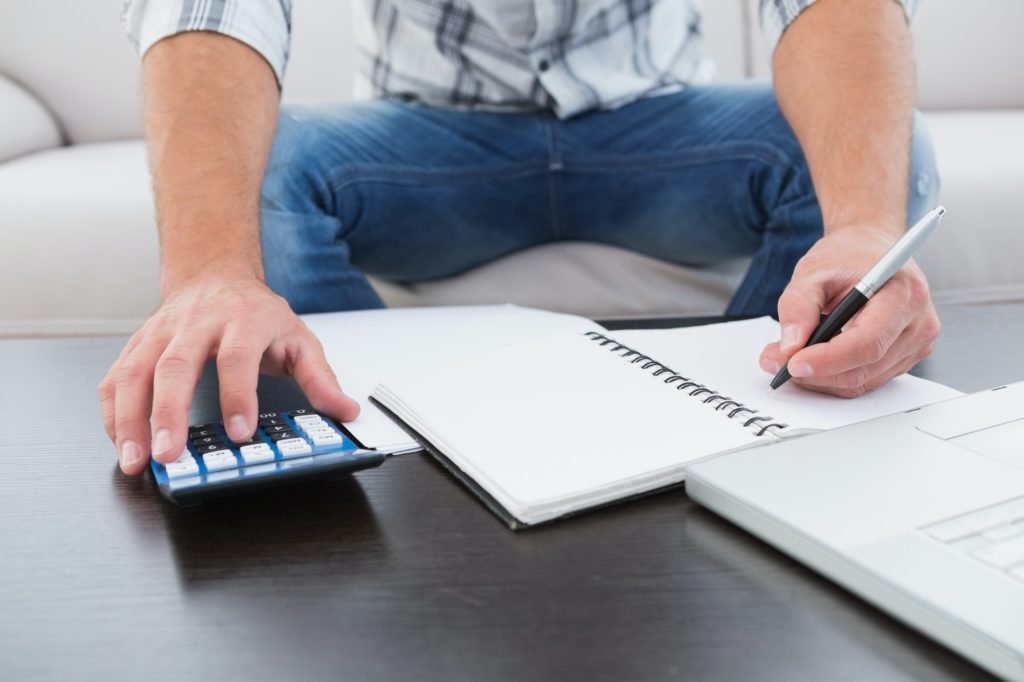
column 410, row 193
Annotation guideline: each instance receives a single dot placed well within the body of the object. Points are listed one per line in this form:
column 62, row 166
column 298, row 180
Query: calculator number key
column 256, row 453
column 219, row 460
column 293, row 447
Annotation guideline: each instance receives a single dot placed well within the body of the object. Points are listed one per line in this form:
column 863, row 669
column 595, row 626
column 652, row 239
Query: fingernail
column 130, row 454
column 770, row 366
column 238, row 428
column 790, row 336
column 161, row 442
column 801, row 369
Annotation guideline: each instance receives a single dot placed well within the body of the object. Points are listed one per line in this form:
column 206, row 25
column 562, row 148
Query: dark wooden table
column 398, row 573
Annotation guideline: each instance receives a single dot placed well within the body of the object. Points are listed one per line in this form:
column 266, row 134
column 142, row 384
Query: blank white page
column 724, row 357
column 559, row 424
column 369, row 346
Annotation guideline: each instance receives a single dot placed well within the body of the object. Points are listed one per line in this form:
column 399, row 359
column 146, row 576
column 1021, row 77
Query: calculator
column 287, row 447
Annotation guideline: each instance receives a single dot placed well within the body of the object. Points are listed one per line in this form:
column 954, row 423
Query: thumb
column 800, row 308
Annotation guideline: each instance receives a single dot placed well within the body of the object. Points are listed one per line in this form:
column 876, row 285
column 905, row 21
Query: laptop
column 920, row 513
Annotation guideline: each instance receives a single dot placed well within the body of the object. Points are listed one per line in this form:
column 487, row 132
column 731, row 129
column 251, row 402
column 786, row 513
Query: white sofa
column 78, row 249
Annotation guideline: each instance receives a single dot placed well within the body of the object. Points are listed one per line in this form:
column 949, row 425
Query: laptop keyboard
column 994, row 535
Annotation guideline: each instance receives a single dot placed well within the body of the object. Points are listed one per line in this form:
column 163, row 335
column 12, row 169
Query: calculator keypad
column 281, row 440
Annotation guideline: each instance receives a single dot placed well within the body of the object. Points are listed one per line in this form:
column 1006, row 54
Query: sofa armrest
column 28, row 127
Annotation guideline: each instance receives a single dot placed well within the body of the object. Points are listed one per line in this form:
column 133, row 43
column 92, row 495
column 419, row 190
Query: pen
column 886, row 267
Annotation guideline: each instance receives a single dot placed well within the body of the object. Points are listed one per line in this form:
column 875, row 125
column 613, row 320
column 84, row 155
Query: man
column 500, row 124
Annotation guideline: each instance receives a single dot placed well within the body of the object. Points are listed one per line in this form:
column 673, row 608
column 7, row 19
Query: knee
column 924, row 175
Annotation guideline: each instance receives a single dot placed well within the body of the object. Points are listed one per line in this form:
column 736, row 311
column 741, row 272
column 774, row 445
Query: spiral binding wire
column 755, row 421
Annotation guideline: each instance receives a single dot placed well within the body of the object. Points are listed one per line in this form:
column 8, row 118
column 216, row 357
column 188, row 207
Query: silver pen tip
column 940, row 211
column 771, row 390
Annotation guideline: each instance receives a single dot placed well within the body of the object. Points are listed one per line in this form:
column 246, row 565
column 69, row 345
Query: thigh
column 692, row 177
column 403, row 191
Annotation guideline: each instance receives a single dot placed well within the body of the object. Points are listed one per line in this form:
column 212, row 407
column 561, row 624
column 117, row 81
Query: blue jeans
column 410, row 193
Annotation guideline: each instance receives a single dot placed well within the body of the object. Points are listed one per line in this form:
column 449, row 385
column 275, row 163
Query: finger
column 852, row 383
column 318, row 381
column 858, row 386
column 915, row 344
column 864, row 342
column 900, row 368
column 772, row 358
column 174, row 381
column 800, row 309
column 238, row 368
column 106, row 391
column 133, row 391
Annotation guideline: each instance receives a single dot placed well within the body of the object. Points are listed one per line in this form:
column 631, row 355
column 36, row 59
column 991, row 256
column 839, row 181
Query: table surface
column 398, row 572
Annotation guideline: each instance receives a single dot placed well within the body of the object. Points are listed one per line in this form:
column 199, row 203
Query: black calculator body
column 288, row 447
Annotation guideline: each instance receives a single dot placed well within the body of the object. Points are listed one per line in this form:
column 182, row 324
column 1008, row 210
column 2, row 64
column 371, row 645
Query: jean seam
column 555, row 167
column 692, row 157
column 399, row 175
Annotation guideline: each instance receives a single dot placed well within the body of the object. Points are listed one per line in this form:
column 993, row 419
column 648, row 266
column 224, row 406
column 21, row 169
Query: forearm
column 844, row 78
column 210, row 109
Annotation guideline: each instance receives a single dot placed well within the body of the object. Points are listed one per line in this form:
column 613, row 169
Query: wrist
column 175, row 276
column 884, row 225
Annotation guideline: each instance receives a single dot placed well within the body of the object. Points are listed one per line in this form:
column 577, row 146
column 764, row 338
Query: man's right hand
column 239, row 322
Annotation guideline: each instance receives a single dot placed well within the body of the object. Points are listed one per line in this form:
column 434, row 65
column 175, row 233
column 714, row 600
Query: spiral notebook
column 552, row 426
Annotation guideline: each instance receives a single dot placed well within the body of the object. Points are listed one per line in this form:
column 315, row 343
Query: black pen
column 886, row 267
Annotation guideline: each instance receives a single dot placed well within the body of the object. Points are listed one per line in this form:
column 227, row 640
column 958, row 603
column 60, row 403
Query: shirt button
column 543, row 65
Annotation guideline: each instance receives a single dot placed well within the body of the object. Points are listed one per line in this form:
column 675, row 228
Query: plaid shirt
column 566, row 56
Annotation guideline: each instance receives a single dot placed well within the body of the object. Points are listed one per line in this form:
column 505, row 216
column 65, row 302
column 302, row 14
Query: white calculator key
column 221, row 459
column 326, row 438
column 304, row 419
column 258, row 452
column 328, row 434
column 293, row 447
column 182, row 468
column 185, row 456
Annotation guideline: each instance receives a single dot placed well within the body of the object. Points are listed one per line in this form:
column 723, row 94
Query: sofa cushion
column 74, row 57
column 80, row 252
column 589, row 279
column 27, row 126
column 974, row 256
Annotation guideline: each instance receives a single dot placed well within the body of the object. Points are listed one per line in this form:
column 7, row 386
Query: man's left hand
column 893, row 332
